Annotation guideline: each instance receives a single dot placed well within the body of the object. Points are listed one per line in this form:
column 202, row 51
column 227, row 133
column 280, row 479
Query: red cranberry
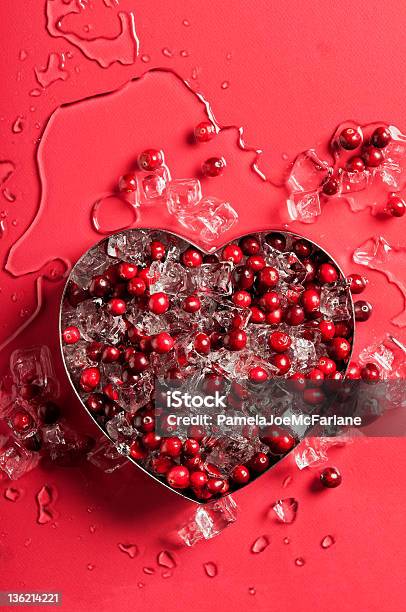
column 327, row 273
column 327, row 366
column 215, row 485
column 191, row 447
column 138, row 362
column 240, row 474
column 136, row 286
column 244, row 277
column 302, row 248
column 353, row 371
column 327, row 330
column 233, row 253
column 297, row 381
column 241, row 298
column 76, row 294
column 198, row 479
column 202, row 343
column 274, row 317
column 127, row 271
column 171, row 446
column 235, row 340
column 268, row 277
column 259, row 463
column 257, row 315
column 396, row 206
column 258, row 374
column 157, row 250
column 276, row 241
column 151, row 440
column 355, row 164
column 191, row 304
column 256, row 262
column 95, row 403
column 192, row 258
column 294, row 315
column 71, row 335
column 372, row 157
column 269, row 301
column 214, row 166
column 330, row 478
column 158, row 303
column 128, row 183
column 310, row 300
column 279, row 441
column 49, row 413
column 357, row 283
column 110, row 354
column 162, row 343
column 381, row 137
column 331, row 186
column 204, row 131
column 89, row 379
column 281, row 362
column 370, row 373
column 178, row 477
column 250, row 245
column 137, row 451
column 362, row 310
column 340, row 348
column 22, row 421
column 316, row 377
column 161, row 465
column 148, row 278
column 342, row 329
column 350, row 139
column 194, row 463
column 100, row 287
column 111, row 392
column 279, row 341
column 313, row 396
column 150, row 159
column 116, row 307
column 145, row 421
column 210, row 259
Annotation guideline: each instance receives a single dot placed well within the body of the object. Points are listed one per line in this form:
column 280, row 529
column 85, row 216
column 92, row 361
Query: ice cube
column 106, row 457
column 355, row 181
column 183, row 196
column 228, row 452
column 63, row 445
column 118, row 427
column 311, row 452
column 95, row 323
column 308, row 172
column 286, row 509
column 93, row 263
column 209, row 520
column 335, row 302
column 152, row 187
column 15, row 460
column 393, row 175
column 129, row 246
column 213, row 279
column 379, row 354
column 211, row 218
column 33, row 366
column 303, row 353
column 304, row 207
column 172, row 277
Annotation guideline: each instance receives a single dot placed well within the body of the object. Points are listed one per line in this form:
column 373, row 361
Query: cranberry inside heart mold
column 144, row 306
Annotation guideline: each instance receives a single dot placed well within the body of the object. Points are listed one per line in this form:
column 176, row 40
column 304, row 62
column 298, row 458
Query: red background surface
column 296, row 70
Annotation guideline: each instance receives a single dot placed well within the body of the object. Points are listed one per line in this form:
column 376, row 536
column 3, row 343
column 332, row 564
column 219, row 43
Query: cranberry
column 191, row 304
column 316, row 377
column 158, row 303
column 240, row 474
column 196, row 432
column 257, row 315
column 198, row 479
column 282, row 362
column 192, row 258
column 127, row 271
column 302, row 248
column 327, row 273
column 350, row 139
column 148, row 278
column 71, row 335
column 128, row 183
column 76, row 294
column 145, row 421
column 340, row 348
column 372, row 157
column 22, row 421
column 194, row 463
column 204, row 131
column 136, row 286
column 95, row 403
column 191, row 447
column 157, row 249
column 235, row 340
column 161, row 465
column 381, row 137
column 313, row 396
column 138, row 362
column 100, row 287
column 331, row 186
column 211, row 259
column 244, row 277
column 310, row 300
column 151, row 440
column 214, row 166
column 357, row 283
column 342, row 329
column 269, row 301
column 202, row 343
column 233, row 253
column 276, row 241
column 294, row 315
column 110, row 354
column 327, row 330
column 258, row 374
column 256, row 262
column 396, row 206
column 215, row 485
column 89, row 379
column 162, row 343
column 370, row 373
column 353, row 371
column 330, row 478
column 268, row 277
column 297, row 381
column 49, row 413
column 274, row 317
column 241, row 298
column 326, row 365
column 279, row 341
column 311, row 270
column 259, row 462
column 111, row 392
column 150, row 159
column 178, row 477
column 250, row 245
column 116, row 307
column 279, row 441
column 355, row 164
column 137, row 451
column 362, row 310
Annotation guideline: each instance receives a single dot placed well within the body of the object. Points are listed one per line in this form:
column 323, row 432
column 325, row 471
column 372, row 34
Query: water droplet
column 35, row 93
column 12, row 494
column 130, row 549
column 44, row 498
column 165, row 559
column 148, row 570
column 225, row 85
column 112, row 214
column 13, row 297
column 299, row 561
column 229, row 56
column 92, row 528
column 186, row 23
column 211, row 569
column 287, row 481
column 28, row 542
column 18, row 125
column 184, row 53
column 19, row 75
column 3, row 228
column 6, row 170
column 285, row 156
column 167, row 52
column 195, row 72
column 260, row 544
column 22, row 55
column 252, row 591
column 286, row 509
column 327, row 541
column 14, row 223
column 90, row 567
column 10, row 197
column 166, row 574
column 140, row 585
column 54, row 70
column 145, row 58
column 286, row 540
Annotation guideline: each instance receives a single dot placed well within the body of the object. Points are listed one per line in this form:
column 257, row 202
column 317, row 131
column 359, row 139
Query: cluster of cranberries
column 256, row 289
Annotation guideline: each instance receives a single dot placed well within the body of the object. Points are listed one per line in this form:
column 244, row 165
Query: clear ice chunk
column 392, row 174
column 335, row 302
column 209, row 520
column 118, row 427
column 93, row 263
column 304, row 207
column 308, row 172
column 172, row 277
column 355, row 181
column 229, row 452
column 303, row 353
column 213, row 279
column 128, row 246
column 311, row 452
column 286, row 509
column 379, row 354
column 15, row 460
column 183, row 196
column 95, row 323
column 34, row 366
column 211, row 218
column 106, row 457
column 152, row 187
